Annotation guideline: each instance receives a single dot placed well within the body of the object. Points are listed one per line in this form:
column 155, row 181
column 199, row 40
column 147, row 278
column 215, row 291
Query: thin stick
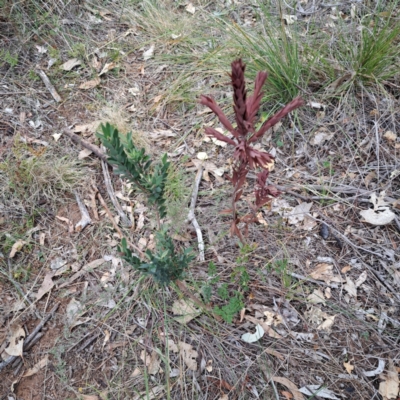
column 92, row 147
column 85, row 220
column 191, row 216
column 125, row 220
column 30, row 337
column 110, row 216
column 121, row 235
column 49, row 86
column 89, row 341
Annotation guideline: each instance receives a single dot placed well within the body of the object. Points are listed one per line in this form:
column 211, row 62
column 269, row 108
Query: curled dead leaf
column 90, row 84
column 290, row 385
column 16, row 247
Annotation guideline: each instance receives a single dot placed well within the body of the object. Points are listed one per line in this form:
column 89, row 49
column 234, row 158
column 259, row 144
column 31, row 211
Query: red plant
column 247, row 157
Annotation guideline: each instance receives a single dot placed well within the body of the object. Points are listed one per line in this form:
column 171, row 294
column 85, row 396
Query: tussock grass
column 44, row 175
column 368, row 51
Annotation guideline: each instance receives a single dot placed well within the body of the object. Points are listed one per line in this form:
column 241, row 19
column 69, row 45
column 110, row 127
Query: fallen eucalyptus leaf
column 253, row 337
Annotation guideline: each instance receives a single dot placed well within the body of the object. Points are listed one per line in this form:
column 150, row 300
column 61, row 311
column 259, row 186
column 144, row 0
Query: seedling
column 246, row 157
column 165, row 264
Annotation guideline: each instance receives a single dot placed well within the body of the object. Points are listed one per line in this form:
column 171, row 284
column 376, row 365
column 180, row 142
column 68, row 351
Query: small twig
column 34, row 341
column 49, row 85
column 89, row 341
column 110, row 216
column 31, row 337
column 92, row 147
column 88, row 267
column 124, row 219
column 93, row 203
column 85, row 220
column 191, row 216
column 121, row 235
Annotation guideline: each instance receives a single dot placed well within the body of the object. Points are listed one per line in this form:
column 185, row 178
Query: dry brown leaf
column 339, row 82
column 290, row 385
column 73, row 309
column 261, row 220
column 152, row 362
column 172, row 346
column 140, row 222
column 209, row 167
column 136, row 372
column 267, row 329
column 188, row 355
column 288, row 395
column 107, row 67
column 389, row 387
column 157, row 99
column 327, row 324
column 90, row 84
column 70, row 64
column 390, row 136
column 272, row 318
column 37, row 367
column 202, row 156
column 84, row 153
column 349, row 367
column 298, row 213
column 350, row 287
column 16, row 338
column 47, row 285
column 107, row 336
column 68, row 221
column 16, row 247
column 209, row 367
column 90, row 127
column 324, row 272
column 370, row 176
column 185, row 310
column 328, row 293
column 275, row 354
column 316, row 297
column 96, row 63
column 345, row 269
column 380, row 214
column 182, row 238
column 361, row 279
column 149, row 53
column 89, row 397
column 321, row 136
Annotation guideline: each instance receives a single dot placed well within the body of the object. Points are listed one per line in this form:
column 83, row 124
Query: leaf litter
column 269, row 248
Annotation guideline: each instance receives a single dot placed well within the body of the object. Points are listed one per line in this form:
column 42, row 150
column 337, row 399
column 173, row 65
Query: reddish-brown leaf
column 218, row 135
column 213, row 106
column 270, row 122
column 253, row 102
